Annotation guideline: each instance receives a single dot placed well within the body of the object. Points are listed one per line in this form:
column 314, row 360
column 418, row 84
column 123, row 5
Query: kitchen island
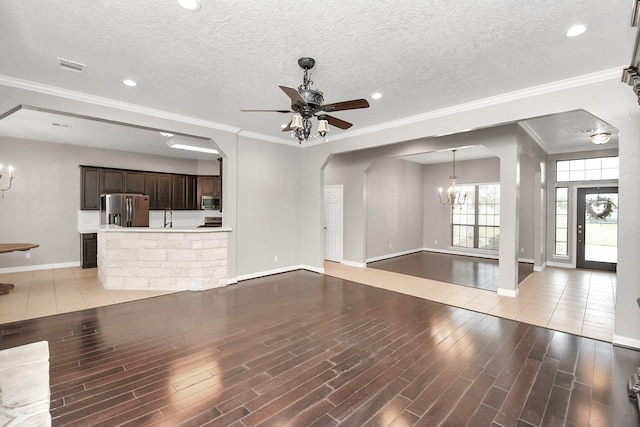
column 140, row 258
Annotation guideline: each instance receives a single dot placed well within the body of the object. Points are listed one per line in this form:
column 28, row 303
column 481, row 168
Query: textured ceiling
column 421, row 55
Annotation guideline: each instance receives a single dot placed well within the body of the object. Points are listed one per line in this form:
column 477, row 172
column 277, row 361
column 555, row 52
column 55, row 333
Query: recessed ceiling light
column 192, row 5
column 576, row 30
column 130, row 82
column 284, row 125
column 376, row 95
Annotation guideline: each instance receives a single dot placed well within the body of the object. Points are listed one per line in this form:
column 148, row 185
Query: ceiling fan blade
column 334, row 121
column 266, row 111
column 346, row 105
column 287, row 128
column 294, row 95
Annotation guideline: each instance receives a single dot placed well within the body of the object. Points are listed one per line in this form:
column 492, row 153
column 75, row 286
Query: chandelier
column 10, row 168
column 453, row 196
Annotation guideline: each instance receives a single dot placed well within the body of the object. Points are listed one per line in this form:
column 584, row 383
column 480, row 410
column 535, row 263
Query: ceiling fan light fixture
column 296, row 122
column 323, row 127
column 600, row 138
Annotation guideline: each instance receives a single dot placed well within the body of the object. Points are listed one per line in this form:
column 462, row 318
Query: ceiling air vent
column 68, row 64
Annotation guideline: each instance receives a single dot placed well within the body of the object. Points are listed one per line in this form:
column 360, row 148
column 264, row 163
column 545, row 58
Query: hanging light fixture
column 10, row 168
column 453, row 196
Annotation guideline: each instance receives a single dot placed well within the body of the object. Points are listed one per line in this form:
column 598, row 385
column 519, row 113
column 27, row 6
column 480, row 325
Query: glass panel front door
column 597, row 233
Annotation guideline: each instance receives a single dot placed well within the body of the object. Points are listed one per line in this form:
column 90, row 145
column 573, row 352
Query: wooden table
column 13, row 247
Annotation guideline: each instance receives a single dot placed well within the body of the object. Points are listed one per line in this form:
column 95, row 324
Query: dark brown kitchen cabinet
column 192, row 193
column 159, row 187
column 89, row 250
column 112, row 181
column 90, row 188
column 184, row 192
column 135, row 182
column 209, row 185
column 217, row 186
column 179, row 191
column 205, row 185
column 165, row 190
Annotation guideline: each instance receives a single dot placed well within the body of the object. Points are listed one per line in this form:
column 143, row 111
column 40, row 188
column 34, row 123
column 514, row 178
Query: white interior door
column 333, row 223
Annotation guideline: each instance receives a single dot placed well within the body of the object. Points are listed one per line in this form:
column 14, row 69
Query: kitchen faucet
column 170, row 218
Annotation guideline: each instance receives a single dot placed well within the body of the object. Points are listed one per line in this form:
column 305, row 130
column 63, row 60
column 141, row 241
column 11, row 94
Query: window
column 599, row 168
column 476, row 224
column 562, row 232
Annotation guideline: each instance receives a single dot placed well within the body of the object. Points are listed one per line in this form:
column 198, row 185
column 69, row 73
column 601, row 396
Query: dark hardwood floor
column 304, row 349
column 475, row 272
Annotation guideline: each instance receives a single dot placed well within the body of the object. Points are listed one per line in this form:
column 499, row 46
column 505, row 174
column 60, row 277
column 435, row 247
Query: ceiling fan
column 307, row 102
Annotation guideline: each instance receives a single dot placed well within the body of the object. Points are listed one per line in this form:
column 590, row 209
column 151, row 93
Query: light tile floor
column 581, row 302
column 46, row 292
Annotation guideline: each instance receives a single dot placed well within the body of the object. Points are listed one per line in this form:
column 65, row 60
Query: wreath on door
column 600, row 209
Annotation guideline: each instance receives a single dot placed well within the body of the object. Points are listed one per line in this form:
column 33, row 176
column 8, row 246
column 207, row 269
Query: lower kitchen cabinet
column 89, row 250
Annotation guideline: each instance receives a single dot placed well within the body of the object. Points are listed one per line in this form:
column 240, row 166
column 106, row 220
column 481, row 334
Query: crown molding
column 587, row 79
column 600, row 76
column 525, row 126
column 111, row 103
column 262, row 137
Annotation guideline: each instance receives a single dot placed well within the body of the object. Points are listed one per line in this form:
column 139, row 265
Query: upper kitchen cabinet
column 135, row 182
column 159, row 187
column 179, row 191
column 165, row 190
column 112, row 181
column 90, row 188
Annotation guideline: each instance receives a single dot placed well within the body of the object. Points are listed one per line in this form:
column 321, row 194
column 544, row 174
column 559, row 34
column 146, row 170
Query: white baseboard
column 319, row 270
column 511, row 293
column 274, row 271
column 560, row 265
column 463, row 253
column 39, row 267
column 540, row 268
column 381, row 257
column 626, row 341
column 353, row 263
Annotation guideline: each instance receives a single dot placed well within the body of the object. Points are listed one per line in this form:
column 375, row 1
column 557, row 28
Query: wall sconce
column 10, row 168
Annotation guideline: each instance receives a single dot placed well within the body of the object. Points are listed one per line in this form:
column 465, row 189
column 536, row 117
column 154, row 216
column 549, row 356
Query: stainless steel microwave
column 209, row 203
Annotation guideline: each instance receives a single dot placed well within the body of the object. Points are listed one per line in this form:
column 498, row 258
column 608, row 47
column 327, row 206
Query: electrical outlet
column 521, row 250
column 435, row 242
column 275, row 259
column 389, row 245
column 28, row 255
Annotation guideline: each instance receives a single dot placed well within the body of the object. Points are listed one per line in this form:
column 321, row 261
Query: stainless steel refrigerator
column 124, row 209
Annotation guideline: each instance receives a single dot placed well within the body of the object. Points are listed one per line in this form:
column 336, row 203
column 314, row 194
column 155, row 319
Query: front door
column 597, row 234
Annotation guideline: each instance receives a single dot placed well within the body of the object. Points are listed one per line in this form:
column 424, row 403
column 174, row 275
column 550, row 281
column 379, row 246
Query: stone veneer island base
column 162, row 259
